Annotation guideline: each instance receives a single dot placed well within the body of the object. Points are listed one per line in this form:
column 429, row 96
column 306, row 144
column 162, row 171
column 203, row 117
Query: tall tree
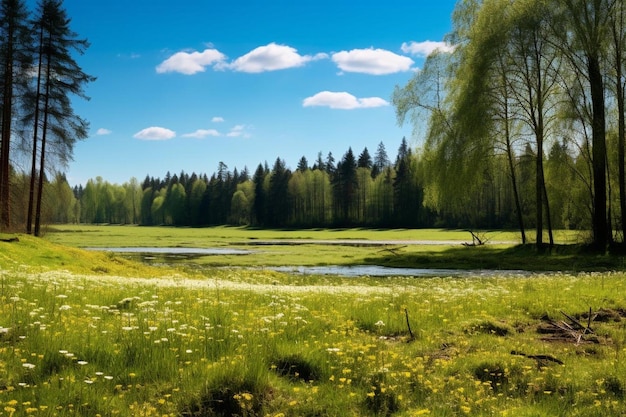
column 345, row 187
column 62, row 78
column 278, row 194
column 585, row 27
column 484, row 101
column 259, row 208
column 15, row 61
column 365, row 160
column 618, row 44
column 303, row 164
column 407, row 197
column 381, row 160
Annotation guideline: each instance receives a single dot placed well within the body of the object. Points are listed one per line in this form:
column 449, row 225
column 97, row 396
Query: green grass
column 113, row 235
column 243, row 342
column 33, row 254
column 502, row 252
column 86, row 333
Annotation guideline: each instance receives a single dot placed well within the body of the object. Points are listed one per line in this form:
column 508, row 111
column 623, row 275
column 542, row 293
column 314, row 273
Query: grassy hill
column 21, row 250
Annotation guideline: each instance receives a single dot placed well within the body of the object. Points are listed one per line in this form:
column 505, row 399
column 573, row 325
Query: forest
column 361, row 190
column 521, row 126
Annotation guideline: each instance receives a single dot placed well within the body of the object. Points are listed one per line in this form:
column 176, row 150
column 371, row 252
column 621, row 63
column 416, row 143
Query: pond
column 165, row 255
column 385, row 271
column 175, row 251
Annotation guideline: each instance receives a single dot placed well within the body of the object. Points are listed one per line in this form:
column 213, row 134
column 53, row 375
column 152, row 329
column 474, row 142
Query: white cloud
column 202, row 133
column 423, row 49
column 271, row 57
column 103, row 131
column 238, row 131
column 190, row 63
column 155, row 133
column 217, row 119
column 342, row 100
column 372, row 61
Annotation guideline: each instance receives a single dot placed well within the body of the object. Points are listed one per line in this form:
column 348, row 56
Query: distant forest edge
column 355, row 191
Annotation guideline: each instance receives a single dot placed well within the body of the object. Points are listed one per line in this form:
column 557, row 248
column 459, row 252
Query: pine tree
column 365, row 160
column 59, row 78
column 15, row 61
column 381, row 160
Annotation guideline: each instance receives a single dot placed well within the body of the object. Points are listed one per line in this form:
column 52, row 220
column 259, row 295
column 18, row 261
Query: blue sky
column 184, row 85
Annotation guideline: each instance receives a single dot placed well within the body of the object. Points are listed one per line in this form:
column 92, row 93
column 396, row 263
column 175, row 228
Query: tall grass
column 250, row 343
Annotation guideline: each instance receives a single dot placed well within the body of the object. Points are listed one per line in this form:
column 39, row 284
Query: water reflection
column 176, row 251
column 384, row 271
column 186, row 256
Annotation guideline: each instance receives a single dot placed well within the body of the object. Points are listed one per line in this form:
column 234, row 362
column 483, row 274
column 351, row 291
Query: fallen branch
column 476, row 240
column 542, row 360
column 571, row 329
column 394, row 251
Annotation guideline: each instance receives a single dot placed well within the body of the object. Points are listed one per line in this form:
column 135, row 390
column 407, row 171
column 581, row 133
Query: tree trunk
column 509, row 155
column 33, row 172
column 539, row 184
column 7, row 106
column 621, row 124
column 42, row 158
column 599, row 221
column 548, row 216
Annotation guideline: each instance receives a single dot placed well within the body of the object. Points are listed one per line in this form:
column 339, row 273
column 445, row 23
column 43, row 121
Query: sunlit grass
column 251, row 342
column 87, row 333
column 91, row 235
column 346, row 247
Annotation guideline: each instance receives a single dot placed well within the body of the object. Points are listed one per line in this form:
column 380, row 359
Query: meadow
column 87, row 333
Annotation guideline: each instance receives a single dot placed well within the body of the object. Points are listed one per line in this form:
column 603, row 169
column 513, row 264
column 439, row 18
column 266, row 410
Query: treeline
column 356, row 191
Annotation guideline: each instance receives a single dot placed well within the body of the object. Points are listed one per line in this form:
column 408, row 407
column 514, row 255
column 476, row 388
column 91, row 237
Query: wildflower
column 379, row 324
column 28, row 365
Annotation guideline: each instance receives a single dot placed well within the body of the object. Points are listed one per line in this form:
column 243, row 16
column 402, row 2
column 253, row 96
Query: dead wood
column 571, row 330
column 542, row 360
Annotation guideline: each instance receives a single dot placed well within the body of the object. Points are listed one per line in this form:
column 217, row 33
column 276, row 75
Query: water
column 385, row 271
column 177, row 255
column 176, row 251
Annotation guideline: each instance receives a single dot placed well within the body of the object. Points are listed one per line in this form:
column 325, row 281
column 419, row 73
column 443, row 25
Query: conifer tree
column 59, row 78
column 15, row 61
